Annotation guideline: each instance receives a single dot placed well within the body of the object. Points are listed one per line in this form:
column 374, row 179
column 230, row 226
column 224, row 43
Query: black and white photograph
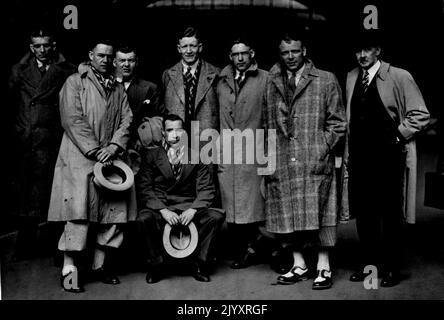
column 226, row 156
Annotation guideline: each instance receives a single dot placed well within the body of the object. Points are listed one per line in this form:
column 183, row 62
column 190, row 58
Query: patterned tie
column 364, row 81
column 175, row 158
column 240, row 80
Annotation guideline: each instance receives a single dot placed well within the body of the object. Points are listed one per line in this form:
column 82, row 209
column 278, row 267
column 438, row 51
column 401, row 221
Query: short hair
column 171, row 117
column 188, row 33
column 288, row 37
column 96, row 42
column 41, row 33
column 124, row 48
column 242, row 39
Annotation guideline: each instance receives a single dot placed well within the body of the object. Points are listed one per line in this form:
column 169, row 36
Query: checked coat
column 301, row 193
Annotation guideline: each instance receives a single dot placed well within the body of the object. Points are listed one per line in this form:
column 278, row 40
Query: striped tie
column 190, row 85
column 364, row 81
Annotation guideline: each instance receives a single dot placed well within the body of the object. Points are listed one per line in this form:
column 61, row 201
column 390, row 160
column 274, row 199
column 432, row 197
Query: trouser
column 249, row 235
column 325, row 237
column 376, row 200
column 75, row 236
column 151, row 224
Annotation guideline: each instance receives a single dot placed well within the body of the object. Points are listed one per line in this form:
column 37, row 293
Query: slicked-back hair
column 243, row 40
column 41, row 33
column 288, row 37
column 95, row 43
column 172, row 117
column 188, row 33
column 124, row 48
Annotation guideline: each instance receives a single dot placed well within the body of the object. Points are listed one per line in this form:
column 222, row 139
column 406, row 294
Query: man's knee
column 215, row 217
column 146, row 216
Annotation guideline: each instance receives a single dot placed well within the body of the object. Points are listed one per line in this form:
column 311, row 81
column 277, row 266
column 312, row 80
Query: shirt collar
column 373, row 70
column 297, row 74
column 193, row 67
column 41, row 64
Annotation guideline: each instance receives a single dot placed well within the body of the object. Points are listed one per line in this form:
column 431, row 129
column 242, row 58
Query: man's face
column 42, row 48
column 101, row 57
column 241, row 56
column 173, row 132
column 190, row 49
column 292, row 54
column 367, row 57
column 125, row 64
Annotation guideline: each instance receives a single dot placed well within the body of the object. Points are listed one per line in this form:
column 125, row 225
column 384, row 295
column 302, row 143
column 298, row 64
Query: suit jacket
column 157, row 188
column 405, row 105
column 206, row 104
column 144, row 100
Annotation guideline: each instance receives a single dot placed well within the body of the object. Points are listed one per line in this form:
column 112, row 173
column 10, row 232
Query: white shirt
column 373, row 70
column 297, row 75
column 238, row 75
column 193, row 67
column 40, row 64
column 125, row 83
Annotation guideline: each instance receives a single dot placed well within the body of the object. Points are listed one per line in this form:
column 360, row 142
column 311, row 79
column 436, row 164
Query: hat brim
column 180, row 253
column 100, row 180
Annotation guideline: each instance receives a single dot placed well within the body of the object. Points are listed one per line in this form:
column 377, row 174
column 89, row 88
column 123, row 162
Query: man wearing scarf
column 95, row 116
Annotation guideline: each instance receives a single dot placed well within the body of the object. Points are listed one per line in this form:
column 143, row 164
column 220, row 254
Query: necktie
column 42, row 69
column 240, row 79
column 365, row 81
column 175, row 158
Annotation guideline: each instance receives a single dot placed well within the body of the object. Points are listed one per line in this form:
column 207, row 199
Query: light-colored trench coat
column 240, row 183
column 301, row 194
column 405, row 105
column 90, row 120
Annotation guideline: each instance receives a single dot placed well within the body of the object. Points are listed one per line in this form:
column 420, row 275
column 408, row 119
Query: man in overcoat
column 34, row 86
column 190, row 85
column 240, row 90
column 171, row 191
column 385, row 112
column 96, row 116
column 304, row 106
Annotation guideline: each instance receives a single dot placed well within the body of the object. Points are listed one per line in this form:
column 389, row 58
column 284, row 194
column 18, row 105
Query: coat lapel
column 176, row 76
column 31, row 74
column 164, row 165
column 206, row 78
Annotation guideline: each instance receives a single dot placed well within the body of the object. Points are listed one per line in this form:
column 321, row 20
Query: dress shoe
column 74, row 288
column 105, row 276
column 294, row 277
column 390, row 279
column 358, row 276
column 247, row 260
column 326, row 281
column 200, row 274
column 153, row 275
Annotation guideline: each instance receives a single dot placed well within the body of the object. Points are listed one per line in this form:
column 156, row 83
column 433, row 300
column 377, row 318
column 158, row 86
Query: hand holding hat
column 107, row 153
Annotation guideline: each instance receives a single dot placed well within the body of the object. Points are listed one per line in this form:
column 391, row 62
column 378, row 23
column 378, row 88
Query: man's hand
column 106, row 154
column 170, row 217
column 187, row 216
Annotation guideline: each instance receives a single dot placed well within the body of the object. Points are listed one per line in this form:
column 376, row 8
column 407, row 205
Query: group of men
column 296, row 206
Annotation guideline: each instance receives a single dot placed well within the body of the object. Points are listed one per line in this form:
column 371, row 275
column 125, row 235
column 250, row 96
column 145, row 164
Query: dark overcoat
column 34, row 102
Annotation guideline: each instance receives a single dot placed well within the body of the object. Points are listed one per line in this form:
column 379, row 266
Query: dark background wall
column 413, row 35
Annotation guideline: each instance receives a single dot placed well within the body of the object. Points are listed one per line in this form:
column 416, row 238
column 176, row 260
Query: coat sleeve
column 416, row 115
column 335, row 121
column 74, row 121
column 147, row 198
column 205, row 189
column 122, row 134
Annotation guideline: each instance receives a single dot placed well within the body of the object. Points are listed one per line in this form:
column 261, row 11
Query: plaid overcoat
column 301, row 194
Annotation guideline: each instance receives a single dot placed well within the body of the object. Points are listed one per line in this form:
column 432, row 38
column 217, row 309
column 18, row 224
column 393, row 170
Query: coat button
column 293, row 159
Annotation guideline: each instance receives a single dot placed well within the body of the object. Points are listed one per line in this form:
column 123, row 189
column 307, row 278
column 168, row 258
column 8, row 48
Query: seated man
column 173, row 192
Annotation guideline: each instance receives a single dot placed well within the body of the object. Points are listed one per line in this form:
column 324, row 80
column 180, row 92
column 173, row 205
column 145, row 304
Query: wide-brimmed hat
column 116, row 177
column 180, row 241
